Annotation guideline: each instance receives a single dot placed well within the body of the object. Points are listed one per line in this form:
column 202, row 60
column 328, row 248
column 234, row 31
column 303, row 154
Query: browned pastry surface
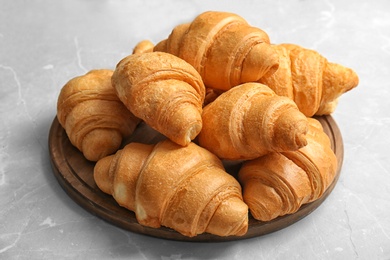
column 163, row 90
column 223, row 48
column 309, row 79
column 94, row 118
column 184, row 188
column 280, row 183
column 249, row 121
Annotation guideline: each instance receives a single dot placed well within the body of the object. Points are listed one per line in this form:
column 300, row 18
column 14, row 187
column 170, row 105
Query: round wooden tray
column 75, row 175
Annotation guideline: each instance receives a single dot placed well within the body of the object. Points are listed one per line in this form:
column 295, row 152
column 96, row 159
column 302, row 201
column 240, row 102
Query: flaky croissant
column 249, row 121
column 279, row 183
column 223, row 48
column 181, row 187
column 93, row 117
column 309, row 79
column 163, row 90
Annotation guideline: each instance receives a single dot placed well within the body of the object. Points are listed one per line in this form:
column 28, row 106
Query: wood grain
column 75, row 175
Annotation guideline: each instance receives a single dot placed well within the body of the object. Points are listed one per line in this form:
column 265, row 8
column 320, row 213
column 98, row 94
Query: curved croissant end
column 280, row 183
column 309, row 79
column 93, row 117
column 249, row 121
column 163, row 90
column 183, row 188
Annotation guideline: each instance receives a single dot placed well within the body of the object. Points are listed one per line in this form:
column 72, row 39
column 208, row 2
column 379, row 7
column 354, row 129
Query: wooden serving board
column 75, row 175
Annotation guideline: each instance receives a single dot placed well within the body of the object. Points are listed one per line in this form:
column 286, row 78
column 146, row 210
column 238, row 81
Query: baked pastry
column 223, row 48
column 143, row 46
column 250, row 120
column 94, row 118
column 309, row 79
column 181, row 187
column 164, row 91
column 280, row 183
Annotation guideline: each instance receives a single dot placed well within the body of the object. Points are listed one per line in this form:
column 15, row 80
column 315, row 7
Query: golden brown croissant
column 93, row 117
column 143, row 46
column 249, row 121
column 163, row 90
column 309, row 79
column 181, row 187
column 223, row 48
column 279, row 183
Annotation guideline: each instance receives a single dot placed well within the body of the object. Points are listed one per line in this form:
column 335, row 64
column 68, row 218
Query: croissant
column 249, row 121
column 280, row 183
column 164, row 91
column 223, row 48
column 309, row 79
column 93, row 117
column 143, row 46
column 181, row 187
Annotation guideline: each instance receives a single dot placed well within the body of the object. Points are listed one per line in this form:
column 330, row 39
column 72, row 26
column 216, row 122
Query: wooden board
column 75, row 175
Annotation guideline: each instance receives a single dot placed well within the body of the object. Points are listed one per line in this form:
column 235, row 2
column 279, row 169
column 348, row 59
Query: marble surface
column 45, row 43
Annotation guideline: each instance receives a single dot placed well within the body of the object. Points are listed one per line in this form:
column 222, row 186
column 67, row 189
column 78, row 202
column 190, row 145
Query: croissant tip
column 184, row 135
column 192, row 132
column 300, row 138
column 101, row 174
column 244, row 228
column 300, row 134
column 101, row 142
column 290, row 130
column 354, row 80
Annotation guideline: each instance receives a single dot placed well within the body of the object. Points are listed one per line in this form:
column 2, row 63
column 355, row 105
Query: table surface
column 45, row 43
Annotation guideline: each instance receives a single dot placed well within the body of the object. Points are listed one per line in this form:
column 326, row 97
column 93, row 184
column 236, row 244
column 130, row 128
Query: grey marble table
column 45, row 43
